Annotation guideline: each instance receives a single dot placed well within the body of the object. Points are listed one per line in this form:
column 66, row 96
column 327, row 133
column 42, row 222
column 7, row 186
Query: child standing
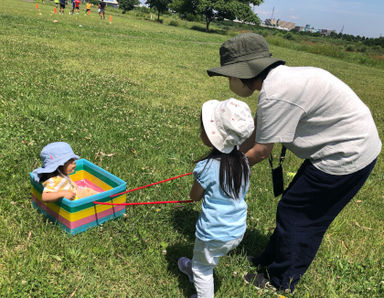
column 88, row 5
column 222, row 180
column 101, row 9
column 59, row 161
column 77, row 6
column 62, row 6
column 72, row 7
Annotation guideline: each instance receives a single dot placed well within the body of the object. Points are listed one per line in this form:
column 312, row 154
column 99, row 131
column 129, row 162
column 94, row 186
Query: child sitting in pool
column 59, row 161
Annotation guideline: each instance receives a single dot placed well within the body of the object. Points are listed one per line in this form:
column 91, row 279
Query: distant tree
column 379, row 42
column 218, row 9
column 333, row 34
column 185, row 8
column 230, row 9
column 160, row 5
column 127, row 5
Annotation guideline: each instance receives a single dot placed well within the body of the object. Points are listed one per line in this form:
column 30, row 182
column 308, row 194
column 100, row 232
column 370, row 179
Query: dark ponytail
column 234, row 170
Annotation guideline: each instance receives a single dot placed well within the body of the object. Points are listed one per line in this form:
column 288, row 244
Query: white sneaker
column 185, row 266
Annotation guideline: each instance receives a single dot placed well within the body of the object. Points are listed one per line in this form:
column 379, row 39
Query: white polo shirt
column 317, row 117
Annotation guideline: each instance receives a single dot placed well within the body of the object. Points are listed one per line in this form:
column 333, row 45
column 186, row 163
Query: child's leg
column 206, row 256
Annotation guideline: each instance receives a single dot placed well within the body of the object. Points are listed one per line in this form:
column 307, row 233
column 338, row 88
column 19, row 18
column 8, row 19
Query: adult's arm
column 259, row 152
column 255, row 152
column 250, row 142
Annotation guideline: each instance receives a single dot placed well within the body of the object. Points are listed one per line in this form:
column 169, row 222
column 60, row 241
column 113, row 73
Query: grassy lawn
column 127, row 97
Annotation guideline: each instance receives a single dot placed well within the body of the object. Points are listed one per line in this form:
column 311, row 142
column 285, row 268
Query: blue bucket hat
column 53, row 156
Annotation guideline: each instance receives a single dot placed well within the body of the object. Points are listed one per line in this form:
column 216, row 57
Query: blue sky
column 364, row 17
column 359, row 17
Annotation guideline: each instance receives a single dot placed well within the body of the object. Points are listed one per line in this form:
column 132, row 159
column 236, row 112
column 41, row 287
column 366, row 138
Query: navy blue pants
column 307, row 207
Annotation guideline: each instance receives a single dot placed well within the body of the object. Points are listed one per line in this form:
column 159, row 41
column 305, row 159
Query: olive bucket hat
column 244, row 57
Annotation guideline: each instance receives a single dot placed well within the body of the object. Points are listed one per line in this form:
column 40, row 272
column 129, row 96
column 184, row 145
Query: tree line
column 368, row 41
column 209, row 10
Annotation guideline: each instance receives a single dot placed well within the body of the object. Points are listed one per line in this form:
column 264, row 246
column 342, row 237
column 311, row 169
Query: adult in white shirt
column 320, row 119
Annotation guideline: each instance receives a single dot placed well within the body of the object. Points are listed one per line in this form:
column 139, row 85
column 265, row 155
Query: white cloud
column 262, row 12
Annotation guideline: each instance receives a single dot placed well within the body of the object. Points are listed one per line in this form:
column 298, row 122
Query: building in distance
column 288, row 26
column 278, row 24
column 308, row 28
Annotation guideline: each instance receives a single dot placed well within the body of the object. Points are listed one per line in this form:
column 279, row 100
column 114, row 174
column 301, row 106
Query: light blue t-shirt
column 222, row 218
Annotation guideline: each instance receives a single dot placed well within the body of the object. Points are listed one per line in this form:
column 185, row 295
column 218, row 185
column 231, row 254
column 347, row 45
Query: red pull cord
column 145, row 186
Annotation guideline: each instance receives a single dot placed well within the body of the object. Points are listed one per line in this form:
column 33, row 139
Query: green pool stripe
column 97, row 174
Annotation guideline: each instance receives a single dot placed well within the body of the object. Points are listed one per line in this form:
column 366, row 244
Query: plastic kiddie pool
column 79, row 215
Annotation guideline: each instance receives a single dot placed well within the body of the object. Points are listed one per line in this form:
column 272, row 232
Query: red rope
column 158, row 182
column 145, row 203
column 145, row 186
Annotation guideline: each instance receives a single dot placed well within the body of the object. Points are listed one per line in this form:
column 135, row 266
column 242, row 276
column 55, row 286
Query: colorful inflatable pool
column 79, row 215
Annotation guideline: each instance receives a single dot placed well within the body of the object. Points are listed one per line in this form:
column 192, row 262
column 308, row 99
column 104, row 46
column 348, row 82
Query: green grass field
column 127, row 97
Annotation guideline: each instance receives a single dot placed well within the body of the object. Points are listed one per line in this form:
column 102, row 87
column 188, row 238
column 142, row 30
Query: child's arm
column 54, row 196
column 197, row 191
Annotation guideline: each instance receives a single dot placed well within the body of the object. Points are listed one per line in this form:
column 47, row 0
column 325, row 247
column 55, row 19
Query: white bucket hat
column 227, row 123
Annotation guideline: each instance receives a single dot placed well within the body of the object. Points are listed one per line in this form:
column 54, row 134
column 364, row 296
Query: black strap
column 282, row 157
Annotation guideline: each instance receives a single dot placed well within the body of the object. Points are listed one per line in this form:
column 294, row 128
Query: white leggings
column 206, row 256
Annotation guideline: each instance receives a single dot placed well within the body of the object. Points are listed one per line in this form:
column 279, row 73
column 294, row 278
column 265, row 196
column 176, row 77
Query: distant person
column 72, row 7
column 102, row 6
column 221, row 180
column 77, row 6
column 59, row 161
column 88, row 5
column 320, row 119
column 62, row 6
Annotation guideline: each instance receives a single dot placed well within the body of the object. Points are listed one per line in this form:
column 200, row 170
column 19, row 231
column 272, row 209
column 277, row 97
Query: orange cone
column 37, row 5
column 89, row 12
column 110, row 19
column 55, row 10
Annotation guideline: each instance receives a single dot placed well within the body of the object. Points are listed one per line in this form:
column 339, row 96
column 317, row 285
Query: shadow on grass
column 184, row 221
column 253, row 243
column 174, row 252
column 216, row 31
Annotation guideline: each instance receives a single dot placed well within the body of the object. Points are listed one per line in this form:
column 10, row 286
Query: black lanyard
column 277, row 173
column 282, row 157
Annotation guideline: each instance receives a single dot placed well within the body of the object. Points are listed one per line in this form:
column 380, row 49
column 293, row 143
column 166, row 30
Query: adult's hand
column 259, row 152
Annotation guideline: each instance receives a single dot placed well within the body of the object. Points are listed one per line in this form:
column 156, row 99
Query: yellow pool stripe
column 79, row 175
column 73, row 216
